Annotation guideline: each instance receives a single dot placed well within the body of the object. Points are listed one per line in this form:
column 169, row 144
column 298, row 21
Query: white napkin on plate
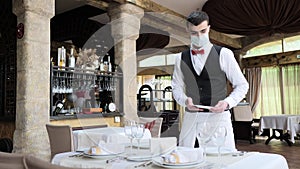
column 107, row 149
column 183, row 155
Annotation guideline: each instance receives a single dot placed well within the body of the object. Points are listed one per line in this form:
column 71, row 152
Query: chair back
column 11, row 161
column 242, row 113
column 61, row 138
column 153, row 124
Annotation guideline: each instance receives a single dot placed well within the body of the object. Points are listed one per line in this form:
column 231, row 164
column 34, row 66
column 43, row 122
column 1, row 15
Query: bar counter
column 78, row 120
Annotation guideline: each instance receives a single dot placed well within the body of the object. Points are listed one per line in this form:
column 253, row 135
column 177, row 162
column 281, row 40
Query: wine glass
column 138, row 132
column 219, row 137
column 203, row 135
column 128, row 124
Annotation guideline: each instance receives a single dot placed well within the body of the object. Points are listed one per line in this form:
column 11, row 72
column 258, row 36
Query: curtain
column 253, row 75
column 270, row 97
column 291, row 88
column 254, row 17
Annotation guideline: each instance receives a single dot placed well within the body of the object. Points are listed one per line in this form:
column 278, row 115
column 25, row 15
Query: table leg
column 281, row 136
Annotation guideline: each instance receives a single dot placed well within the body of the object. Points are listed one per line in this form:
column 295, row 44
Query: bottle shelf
column 84, row 89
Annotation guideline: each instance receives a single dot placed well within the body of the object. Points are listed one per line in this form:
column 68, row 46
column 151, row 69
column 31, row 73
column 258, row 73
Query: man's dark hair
column 197, row 17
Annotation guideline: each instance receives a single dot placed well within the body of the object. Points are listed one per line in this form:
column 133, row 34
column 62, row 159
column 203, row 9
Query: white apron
column 188, row 131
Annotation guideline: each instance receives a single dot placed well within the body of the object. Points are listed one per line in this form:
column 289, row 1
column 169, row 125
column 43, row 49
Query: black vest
column 210, row 86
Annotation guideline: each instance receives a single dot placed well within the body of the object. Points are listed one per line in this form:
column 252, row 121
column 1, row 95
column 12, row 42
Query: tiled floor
column 291, row 153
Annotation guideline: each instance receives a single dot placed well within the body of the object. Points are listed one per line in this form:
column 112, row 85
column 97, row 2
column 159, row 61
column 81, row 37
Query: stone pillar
column 33, row 77
column 125, row 26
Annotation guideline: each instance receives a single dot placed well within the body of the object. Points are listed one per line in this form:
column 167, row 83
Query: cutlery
column 144, row 164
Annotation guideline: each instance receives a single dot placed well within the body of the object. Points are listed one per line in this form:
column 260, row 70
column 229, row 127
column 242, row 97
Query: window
column 284, row 45
column 280, row 91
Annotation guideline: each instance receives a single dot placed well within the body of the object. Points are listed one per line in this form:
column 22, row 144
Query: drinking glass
column 219, row 137
column 128, row 124
column 138, row 132
column 203, row 135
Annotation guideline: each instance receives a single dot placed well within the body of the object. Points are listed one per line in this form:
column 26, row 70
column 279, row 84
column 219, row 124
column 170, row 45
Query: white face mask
column 201, row 40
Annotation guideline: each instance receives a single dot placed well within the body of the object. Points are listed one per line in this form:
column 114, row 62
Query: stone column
column 125, row 26
column 33, row 77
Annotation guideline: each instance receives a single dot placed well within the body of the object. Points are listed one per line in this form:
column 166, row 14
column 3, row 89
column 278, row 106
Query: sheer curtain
column 291, row 88
column 270, row 96
column 253, row 76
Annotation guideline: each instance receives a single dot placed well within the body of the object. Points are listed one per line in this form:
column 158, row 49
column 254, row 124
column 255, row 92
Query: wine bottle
column 58, row 107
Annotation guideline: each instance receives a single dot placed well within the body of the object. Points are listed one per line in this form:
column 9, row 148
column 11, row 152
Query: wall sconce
column 20, row 30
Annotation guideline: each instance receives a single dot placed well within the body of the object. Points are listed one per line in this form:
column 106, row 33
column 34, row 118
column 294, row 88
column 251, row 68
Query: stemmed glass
column 203, row 135
column 219, row 137
column 128, row 124
column 138, row 132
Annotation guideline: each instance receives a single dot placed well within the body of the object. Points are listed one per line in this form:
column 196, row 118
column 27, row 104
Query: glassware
column 203, row 135
column 128, row 124
column 138, row 131
column 219, row 137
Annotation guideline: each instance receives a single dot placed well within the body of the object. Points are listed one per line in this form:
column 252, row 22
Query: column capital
column 40, row 7
column 125, row 21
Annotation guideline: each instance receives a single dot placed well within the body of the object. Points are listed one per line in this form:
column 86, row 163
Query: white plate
column 159, row 162
column 139, row 157
column 100, row 156
column 214, row 150
column 203, row 107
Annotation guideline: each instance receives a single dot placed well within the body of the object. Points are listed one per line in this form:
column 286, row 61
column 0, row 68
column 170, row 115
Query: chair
column 243, row 123
column 153, row 124
column 6, row 145
column 11, row 161
column 61, row 138
column 31, row 162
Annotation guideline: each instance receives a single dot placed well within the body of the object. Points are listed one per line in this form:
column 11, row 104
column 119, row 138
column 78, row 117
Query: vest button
column 200, row 88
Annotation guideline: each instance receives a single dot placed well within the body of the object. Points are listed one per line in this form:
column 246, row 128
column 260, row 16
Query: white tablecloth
column 251, row 160
column 90, row 137
column 282, row 122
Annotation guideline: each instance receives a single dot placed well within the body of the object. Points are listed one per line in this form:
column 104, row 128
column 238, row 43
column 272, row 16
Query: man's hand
column 190, row 105
column 220, row 107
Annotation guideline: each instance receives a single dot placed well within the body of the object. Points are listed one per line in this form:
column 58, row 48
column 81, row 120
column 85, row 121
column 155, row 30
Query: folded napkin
column 106, row 149
column 162, row 145
column 183, row 155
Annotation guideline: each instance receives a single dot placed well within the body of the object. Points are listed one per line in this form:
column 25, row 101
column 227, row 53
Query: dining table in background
column 90, row 137
column 285, row 125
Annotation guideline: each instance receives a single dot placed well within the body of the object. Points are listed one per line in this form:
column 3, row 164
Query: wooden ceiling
column 167, row 20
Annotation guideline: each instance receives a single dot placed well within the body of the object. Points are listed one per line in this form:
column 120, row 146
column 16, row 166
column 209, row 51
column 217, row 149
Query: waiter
column 199, row 78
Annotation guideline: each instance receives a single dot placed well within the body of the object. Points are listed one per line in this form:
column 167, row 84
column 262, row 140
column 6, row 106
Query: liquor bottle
column 58, row 107
column 101, row 66
column 105, row 66
column 109, row 65
column 72, row 59
column 58, row 56
column 62, row 61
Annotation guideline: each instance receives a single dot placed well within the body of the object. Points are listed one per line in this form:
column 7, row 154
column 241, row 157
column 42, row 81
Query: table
column 281, row 124
column 89, row 137
column 250, row 160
